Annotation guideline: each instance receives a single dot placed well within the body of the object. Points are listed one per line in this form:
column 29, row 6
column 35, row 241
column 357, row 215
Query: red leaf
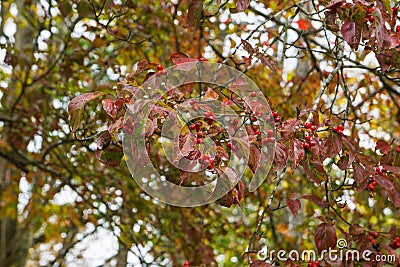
column 114, row 127
column 288, row 128
column 267, row 61
column 331, row 146
column 361, row 172
column 351, row 33
column 304, row 24
column 325, row 237
column 384, row 181
column 383, row 147
column 247, row 60
column 356, row 229
column 242, row 5
column 104, row 140
column 194, row 13
column 294, row 205
column 281, row 155
column 80, row 101
column 109, row 107
column 316, row 200
column 260, row 263
column 296, row 152
column 254, row 158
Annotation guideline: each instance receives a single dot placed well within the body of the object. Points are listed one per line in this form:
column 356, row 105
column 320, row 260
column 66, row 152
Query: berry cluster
column 160, row 70
column 206, row 161
column 338, row 129
column 372, row 236
column 186, row 264
column 312, row 263
column 309, row 143
column 270, row 137
column 380, row 170
column 311, row 126
column 128, row 127
column 276, row 116
column 369, row 14
column 395, row 244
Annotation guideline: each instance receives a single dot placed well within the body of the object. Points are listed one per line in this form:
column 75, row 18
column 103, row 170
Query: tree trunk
column 14, row 241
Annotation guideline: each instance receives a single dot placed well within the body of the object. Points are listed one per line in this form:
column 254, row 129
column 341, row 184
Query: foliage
column 330, row 70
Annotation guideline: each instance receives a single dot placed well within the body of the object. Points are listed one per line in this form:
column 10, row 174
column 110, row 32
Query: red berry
column 198, row 125
column 200, row 140
column 395, row 9
column 195, row 108
column 307, row 137
column 277, row 119
column 374, row 183
column 271, row 133
column 397, row 244
column 255, row 127
column 229, row 145
column 212, row 163
column 186, row 264
column 340, row 127
column 306, row 146
column 192, row 126
column 371, row 9
column 253, row 119
column 308, row 125
column 373, row 234
column 202, row 59
column 313, row 128
column 275, row 114
column 253, row 94
column 235, row 121
column 398, row 28
column 371, row 19
column 199, row 134
column 312, row 143
column 159, row 67
column 371, row 187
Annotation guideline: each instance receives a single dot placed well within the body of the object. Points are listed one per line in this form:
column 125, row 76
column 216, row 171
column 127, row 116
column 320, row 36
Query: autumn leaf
column 304, row 24
column 325, row 237
column 383, row 147
column 294, row 205
column 314, row 170
column 75, row 107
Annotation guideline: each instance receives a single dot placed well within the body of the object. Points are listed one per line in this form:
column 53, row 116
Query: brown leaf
column 351, row 33
column 325, row 237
